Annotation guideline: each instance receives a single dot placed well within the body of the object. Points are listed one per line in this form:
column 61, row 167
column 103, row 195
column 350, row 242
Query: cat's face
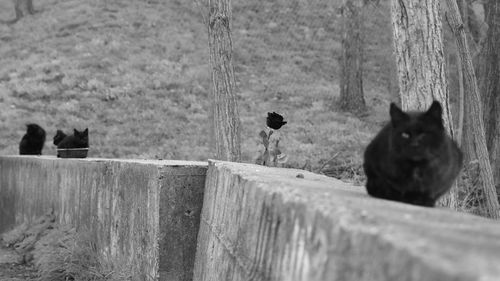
column 417, row 135
column 83, row 135
column 60, row 135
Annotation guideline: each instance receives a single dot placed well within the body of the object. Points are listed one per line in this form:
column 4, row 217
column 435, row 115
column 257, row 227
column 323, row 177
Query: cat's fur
column 412, row 159
column 33, row 141
column 60, row 135
column 77, row 140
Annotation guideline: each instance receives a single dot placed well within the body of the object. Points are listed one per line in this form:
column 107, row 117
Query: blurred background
column 136, row 73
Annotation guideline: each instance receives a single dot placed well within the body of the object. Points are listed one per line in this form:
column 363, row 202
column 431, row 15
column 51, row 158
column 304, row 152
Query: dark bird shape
column 60, row 135
column 275, row 120
column 33, row 141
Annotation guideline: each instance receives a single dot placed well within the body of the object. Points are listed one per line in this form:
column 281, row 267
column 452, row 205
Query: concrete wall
column 267, row 224
column 142, row 213
column 257, row 223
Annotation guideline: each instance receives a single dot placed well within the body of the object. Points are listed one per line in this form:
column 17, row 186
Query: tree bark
column 463, row 7
column 23, row 8
column 467, row 142
column 225, row 116
column 351, row 79
column 474, row 112
column 420, row 63
column 489, row 75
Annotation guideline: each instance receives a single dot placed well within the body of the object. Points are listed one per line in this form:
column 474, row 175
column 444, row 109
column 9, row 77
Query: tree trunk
column 489, row 75
column 351, row 79
column 421, row 71
column 467, row 141
column 474, row 112
column 23, row 8
column 225, row 116
column 463, row 6
column 466, row 127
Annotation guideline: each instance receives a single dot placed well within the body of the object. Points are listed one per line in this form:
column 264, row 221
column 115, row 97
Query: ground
column 11, row 269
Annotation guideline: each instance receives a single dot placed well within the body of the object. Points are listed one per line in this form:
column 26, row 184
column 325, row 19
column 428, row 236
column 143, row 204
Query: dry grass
column 24, row 237
column 59, row 257
column 60, row 253
column 63, row 254
column 471, row 196
column 136, row 73
column 350, row 171
column 15, row 235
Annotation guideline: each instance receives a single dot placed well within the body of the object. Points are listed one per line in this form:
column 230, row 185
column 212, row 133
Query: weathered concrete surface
column 263, row 223
column 143, row 213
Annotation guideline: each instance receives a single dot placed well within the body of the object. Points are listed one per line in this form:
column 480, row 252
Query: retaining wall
column 268, row 224
column 257, row 223
column 144, row 214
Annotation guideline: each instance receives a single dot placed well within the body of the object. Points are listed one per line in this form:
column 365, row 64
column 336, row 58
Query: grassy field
column 136, row 74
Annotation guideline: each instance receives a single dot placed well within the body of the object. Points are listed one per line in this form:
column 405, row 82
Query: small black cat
column 77, row 140
column 412, row 159
column 60, row 135
column 33, row 141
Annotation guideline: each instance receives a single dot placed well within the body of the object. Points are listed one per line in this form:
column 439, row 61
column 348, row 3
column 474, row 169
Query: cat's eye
column 405, row 135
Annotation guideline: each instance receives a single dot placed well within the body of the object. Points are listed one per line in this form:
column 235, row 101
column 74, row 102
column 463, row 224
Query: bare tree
column 489, row 84
column 225, row 116
column 420, row 64
column 351, row 79
column 474, row 116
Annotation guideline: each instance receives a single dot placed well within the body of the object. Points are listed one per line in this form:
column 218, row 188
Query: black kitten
column 412, row 159
column 60, row 135
column 77, row 140
column 33, row 141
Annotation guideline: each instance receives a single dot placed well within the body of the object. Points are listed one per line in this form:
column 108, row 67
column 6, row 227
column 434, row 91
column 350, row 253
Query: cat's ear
column 75, row 131
column 397, row 115
column 86, row 131
column 435, row 111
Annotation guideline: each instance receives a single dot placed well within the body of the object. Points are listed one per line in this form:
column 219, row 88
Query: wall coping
column 319, row 228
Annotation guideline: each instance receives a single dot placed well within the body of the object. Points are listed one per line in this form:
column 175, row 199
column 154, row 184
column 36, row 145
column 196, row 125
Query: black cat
column 33, row 141
column 77, row 140
column 412, row 159
column 60, row 135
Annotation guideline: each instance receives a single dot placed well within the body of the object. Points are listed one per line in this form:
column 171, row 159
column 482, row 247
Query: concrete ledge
column 142, row 213
column 257, row 223
column 263, row 223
